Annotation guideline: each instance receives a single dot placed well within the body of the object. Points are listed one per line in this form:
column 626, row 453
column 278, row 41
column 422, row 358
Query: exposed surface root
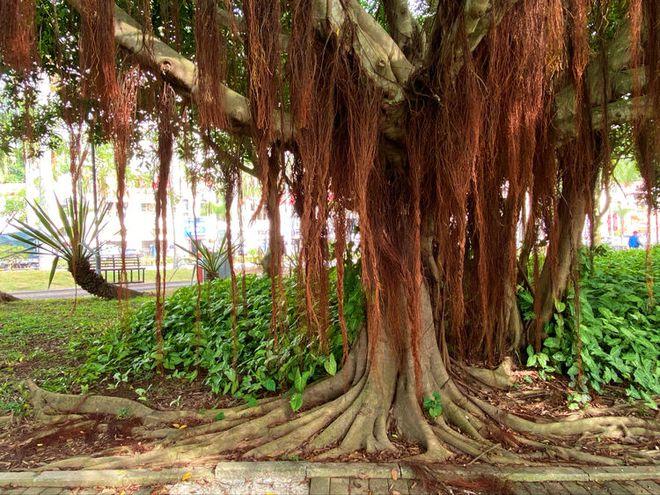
column 356, row 410
column 499, row 378
column 601, row 425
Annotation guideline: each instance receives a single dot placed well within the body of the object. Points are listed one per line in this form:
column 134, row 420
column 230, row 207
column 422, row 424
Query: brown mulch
column 20, row 452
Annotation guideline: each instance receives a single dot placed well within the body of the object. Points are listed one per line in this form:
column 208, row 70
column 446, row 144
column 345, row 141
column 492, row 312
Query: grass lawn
column 22, row 280
column 46, row 340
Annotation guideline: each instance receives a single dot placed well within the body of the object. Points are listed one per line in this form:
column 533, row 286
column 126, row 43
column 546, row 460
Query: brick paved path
column 300, row 478
column 381, row 486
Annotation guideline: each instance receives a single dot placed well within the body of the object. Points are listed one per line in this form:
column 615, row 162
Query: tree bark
column 553, row 280
column 4, row 297
column 87, row 278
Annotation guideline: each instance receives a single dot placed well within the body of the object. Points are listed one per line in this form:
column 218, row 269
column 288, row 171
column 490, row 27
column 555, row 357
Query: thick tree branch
column 380, row 57
column 620, row 81
column 405, row 29
column 159, row 57
column 619, row 111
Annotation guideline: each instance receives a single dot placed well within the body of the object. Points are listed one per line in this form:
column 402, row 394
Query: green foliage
column 206, row 350
column 211, row 259
column 433, row 405
column 619, row 329
column 12, row 165
column 14, row 205
column 46, row 340
column 69, row 237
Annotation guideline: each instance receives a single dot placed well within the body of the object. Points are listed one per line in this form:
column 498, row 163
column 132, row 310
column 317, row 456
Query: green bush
column 204, row 347
column 619, row 328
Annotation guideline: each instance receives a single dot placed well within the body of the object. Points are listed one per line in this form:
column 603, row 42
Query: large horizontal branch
column 620, row 78
column 618, row 112
column 620, row 107
column 380, row 57
column 404, row 29
column 159, row 57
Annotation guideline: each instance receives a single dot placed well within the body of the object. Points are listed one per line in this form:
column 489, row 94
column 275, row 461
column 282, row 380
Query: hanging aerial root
column 18, row 48
column 211, row 65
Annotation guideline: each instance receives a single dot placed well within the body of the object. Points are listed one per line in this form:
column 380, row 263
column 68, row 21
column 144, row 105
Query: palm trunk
column 87, row 279
column 4, row 297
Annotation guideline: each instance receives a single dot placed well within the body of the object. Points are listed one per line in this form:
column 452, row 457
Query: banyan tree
column 465, row 136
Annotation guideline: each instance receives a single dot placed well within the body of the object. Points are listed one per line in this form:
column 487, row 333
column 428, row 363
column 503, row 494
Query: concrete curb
column 104, row 477
column 299, row 471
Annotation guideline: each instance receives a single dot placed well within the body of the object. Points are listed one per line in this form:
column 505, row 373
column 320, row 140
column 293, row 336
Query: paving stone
column 633, row 487
column 597, row 487
column 379, row 486
column 650, row 486
column 319, row 486
column 12, row 491
column 616, row 488
column 53, row 491
column 593, row 488
column 32, row 491
column 537, row 489
column 519, row 489
column 556, row 488
column 339, row 486
column 416, row 487
column 399, row 486
column 575, row 488
column 359, row 486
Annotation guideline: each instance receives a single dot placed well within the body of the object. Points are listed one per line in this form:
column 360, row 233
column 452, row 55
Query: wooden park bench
column 112, row 266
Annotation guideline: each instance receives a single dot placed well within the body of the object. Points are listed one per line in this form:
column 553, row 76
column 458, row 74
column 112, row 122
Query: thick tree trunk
column 374, row 393
column 553, row 280
column 87, row 278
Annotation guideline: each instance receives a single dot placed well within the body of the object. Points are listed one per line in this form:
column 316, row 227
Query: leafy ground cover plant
column 619, row 329
column 45, row 340
column 211, row 258
column 203, row 347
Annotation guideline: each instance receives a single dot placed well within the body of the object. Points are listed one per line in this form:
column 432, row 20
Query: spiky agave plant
column 210, row 258
column 69, row 240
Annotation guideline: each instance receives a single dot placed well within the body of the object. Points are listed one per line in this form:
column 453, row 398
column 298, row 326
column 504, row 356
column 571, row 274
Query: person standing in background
column 633, row 241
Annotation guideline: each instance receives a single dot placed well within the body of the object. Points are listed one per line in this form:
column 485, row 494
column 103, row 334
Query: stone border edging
column 104, row 477
column 306, row 470
column 243, row 470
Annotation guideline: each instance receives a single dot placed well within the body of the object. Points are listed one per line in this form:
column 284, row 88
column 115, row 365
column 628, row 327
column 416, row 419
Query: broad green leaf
column 296, row 401
column 269, row 384
column 330, row 365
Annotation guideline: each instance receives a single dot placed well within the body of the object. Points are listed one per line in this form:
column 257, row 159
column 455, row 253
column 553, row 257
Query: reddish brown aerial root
column 18, row 34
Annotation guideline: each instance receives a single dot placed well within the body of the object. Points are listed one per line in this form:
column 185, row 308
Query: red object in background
column 200, row 274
